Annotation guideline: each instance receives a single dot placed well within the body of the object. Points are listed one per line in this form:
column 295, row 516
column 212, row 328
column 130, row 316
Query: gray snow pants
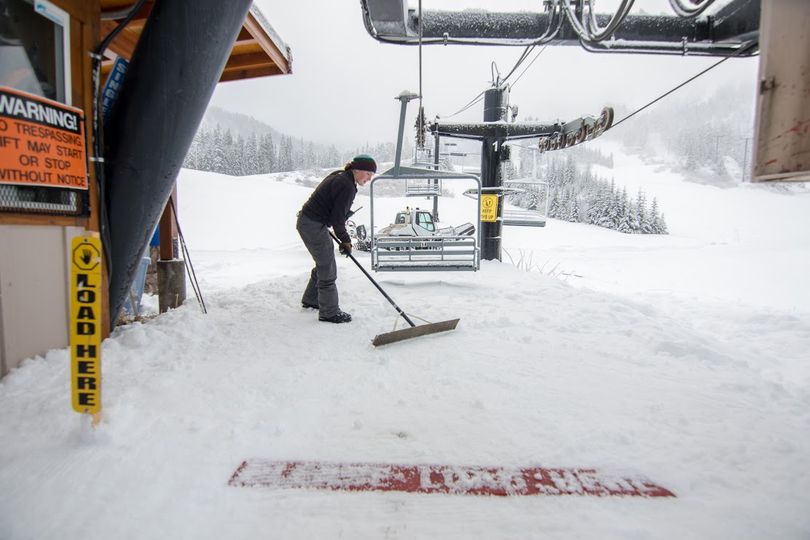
column 321, row 289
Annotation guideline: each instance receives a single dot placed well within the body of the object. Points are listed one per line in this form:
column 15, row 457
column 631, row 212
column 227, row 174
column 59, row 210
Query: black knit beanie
column 363, row 162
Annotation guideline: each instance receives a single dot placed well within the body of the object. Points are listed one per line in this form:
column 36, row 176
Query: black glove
column 345, row 248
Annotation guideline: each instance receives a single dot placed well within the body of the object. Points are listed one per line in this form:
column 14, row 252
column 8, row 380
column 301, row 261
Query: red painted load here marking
column 452, row 479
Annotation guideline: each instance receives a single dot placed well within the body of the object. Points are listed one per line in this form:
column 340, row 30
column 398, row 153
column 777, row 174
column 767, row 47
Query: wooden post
column 170, row 269
column 168, row 230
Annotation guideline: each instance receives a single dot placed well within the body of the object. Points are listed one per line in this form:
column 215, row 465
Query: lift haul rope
column 738, row 52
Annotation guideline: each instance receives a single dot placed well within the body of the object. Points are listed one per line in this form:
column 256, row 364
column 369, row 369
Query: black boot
column 339, row 317
column 307, row 305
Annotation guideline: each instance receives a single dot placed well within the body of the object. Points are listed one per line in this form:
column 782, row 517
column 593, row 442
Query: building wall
column 34, row 291
column 782, row 144
column 34, row 249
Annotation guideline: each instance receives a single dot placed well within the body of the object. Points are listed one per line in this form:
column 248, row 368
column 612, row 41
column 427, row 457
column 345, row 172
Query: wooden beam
column 139, row 19
column 254, row 54
column 246, row 47
column 278, row 57
column 238, row 74
column 124, row 43
column 244, row 35
column 15, row 218
column 106, row 67
column 249, row 60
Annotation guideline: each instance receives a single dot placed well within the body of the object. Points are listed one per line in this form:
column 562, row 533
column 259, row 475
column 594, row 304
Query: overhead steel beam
column 496, row 130
column 719, row 35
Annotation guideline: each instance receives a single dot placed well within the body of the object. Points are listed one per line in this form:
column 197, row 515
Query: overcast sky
column 344, row 82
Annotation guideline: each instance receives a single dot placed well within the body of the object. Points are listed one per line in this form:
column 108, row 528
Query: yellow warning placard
column 489, row 208
column 41, row 142
column 85, row 323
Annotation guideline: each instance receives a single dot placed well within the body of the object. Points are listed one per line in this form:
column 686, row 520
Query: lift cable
column 472, row 102
column 587, row 29
column 526, row 52
column 494, row 69
column 738, row 52
column 530, row 65
column 549, row 34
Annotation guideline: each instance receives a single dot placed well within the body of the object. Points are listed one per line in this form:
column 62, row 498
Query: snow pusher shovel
column 405, row 333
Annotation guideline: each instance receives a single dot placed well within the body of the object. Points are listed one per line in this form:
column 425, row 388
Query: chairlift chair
column 391, row 253
column 523, row 217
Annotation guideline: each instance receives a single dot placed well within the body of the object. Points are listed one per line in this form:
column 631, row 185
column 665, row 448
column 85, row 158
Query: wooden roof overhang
column 257, row 52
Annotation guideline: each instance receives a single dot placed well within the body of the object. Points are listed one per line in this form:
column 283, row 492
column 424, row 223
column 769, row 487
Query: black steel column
column 175, row 67
column 495, row 104
column 436, row 181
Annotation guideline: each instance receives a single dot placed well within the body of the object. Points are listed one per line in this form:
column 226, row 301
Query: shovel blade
column 416, row 331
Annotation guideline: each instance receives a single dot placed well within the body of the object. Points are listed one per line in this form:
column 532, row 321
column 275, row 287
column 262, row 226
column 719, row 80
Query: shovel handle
column 371, row 279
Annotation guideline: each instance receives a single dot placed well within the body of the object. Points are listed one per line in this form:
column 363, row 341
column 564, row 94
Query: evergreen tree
column 623, row 220
column 218, row 162
column 642, row 216
column 251, row 161
column 204, row 152
column 268, row 153
column 191, row 160
column 576, row 194
column 285, row 155
column 240, row 165
column 659, row 225
column 554, row 206
column 310, row 157
column 573, row 210
column 332, row 158
column 298, row 154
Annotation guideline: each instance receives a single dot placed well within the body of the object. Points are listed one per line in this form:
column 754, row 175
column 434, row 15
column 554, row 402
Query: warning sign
column 41, row 142
column 489, row 208
column 85, row 324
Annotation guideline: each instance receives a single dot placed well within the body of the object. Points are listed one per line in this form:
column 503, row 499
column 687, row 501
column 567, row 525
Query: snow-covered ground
column 682, row 358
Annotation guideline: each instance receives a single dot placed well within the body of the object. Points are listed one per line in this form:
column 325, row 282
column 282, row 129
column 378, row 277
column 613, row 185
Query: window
column 425, row 220
column 35, row 48
column 35, row 59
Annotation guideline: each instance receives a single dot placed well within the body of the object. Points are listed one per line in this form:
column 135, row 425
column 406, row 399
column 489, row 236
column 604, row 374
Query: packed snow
column 681, row 358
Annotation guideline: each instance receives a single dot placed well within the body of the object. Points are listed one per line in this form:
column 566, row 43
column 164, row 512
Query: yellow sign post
column 489, row 208
column 85, row 324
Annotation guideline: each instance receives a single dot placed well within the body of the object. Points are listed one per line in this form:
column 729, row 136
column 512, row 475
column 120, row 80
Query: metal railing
column 419, row 253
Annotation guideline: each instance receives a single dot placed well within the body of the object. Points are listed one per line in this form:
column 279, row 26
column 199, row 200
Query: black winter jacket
column 331, row 202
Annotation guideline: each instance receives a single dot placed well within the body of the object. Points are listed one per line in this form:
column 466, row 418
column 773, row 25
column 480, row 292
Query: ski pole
column 371, row 279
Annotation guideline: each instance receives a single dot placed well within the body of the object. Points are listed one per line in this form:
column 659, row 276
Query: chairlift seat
column 424, row 253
